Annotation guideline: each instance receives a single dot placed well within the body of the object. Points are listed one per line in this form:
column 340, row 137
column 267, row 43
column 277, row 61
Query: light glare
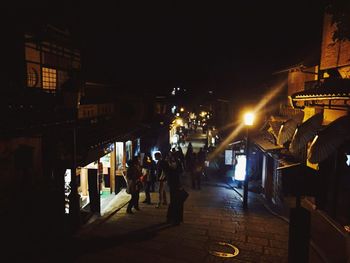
column 249, row 118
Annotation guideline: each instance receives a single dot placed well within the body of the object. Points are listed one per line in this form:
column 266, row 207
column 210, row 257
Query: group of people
column 167, row 170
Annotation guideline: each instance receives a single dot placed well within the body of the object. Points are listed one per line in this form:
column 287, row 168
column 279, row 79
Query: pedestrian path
column 212, row 215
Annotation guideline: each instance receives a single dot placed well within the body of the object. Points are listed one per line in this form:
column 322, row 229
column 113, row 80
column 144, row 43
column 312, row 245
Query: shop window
column 49, row 78
column 32, row 75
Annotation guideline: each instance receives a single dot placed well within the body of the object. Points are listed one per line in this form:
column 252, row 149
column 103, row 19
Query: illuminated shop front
column 95, row 183
column 100, row 182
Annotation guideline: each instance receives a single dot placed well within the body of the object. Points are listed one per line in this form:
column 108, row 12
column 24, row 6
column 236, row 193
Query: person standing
column 133, row 175
column 181, row 157
column 162, row 169
column 175, row 209
column 153, row 175
column 188, row 157
column 146, row 174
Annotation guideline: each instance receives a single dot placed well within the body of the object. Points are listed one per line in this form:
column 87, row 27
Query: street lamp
column 248, row 121
column 249, row 118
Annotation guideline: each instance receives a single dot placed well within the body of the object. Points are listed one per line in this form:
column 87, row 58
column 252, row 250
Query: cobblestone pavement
column 213, row 214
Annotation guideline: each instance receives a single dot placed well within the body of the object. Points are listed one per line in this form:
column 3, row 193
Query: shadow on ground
column 90, row 245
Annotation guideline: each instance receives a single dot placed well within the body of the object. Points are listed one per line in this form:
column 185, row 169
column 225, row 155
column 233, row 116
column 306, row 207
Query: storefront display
column 67, row 190
column 128, row 150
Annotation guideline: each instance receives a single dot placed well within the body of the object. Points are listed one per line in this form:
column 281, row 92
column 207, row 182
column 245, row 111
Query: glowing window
column 49, row 78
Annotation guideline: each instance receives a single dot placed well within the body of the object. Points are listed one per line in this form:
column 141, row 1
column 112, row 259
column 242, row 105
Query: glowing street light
column 249, row 118
column 248, row 121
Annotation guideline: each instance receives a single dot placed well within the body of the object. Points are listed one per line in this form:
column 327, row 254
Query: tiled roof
column 329, row 89
column 265, row 142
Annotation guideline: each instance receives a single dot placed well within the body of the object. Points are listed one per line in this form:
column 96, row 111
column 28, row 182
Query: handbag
column 182, row 195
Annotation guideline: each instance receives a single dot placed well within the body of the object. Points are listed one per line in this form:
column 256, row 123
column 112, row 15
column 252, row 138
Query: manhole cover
column 223, row 250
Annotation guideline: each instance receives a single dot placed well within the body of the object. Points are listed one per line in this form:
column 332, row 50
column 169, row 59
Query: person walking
column 133, row 175
column 189, row 148
column 161, row 171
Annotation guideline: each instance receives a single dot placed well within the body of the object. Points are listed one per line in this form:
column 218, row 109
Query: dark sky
column 228, row 46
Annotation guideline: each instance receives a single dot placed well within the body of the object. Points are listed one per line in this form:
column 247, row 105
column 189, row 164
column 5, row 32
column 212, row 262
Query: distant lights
column 176, row 89
column 203, row 114
column 179, row 122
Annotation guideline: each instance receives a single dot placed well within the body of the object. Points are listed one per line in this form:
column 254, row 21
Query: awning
column 329, row 139
column 288, row 128
column 305, row 132
column 275, row 126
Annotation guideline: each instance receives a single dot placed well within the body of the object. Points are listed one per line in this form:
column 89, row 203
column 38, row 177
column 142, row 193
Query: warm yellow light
column 179, row 122
column 249, row 118
column 203, row 113
column 182, row 109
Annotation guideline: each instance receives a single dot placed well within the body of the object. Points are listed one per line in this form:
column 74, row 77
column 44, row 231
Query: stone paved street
column 213, row 214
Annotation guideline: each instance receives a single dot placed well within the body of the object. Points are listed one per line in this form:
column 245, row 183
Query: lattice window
column 49, row 78
column 32, row 77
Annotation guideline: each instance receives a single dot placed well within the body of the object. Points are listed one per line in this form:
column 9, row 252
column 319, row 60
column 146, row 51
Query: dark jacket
column 174, row 174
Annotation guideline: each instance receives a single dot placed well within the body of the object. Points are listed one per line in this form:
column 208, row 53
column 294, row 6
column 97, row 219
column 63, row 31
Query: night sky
column 226, row 46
